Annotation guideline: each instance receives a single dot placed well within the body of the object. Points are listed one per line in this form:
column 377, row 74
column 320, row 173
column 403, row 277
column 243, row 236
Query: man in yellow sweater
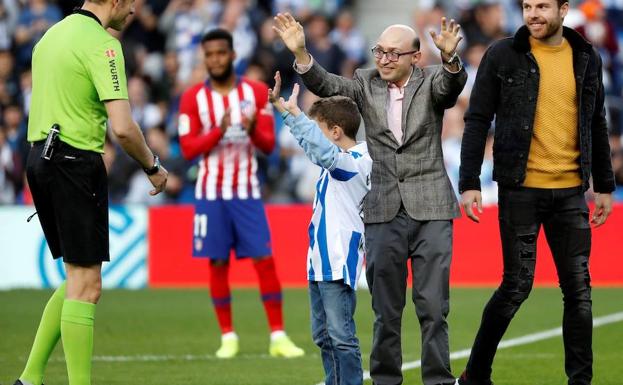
column 544, row 88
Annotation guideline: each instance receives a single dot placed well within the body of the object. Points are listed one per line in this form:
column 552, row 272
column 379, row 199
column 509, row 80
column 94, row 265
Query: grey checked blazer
column 412, row 173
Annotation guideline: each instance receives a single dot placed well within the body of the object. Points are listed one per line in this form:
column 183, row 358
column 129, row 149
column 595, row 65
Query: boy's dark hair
column 219, row 34
column 337, row 111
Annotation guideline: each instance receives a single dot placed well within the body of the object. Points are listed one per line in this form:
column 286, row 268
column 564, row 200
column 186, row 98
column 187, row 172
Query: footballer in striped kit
column 222, row 122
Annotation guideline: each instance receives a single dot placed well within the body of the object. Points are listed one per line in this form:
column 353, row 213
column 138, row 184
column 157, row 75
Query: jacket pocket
column 512, row 87
column 435, row 186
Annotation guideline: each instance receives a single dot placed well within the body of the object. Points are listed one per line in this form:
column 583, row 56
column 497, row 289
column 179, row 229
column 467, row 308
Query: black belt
column 62, row 146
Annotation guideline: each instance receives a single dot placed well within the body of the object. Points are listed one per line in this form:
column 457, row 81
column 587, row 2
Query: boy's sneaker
column 229, row 346
column 282, row 346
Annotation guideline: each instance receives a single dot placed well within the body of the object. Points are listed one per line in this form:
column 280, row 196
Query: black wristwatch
column 155, row 168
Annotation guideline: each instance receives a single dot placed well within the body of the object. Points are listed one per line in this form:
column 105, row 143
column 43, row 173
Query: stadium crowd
column 163, row 58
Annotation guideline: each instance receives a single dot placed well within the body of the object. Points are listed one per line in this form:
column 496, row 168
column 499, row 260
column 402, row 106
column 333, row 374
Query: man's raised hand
column 448, row 38
column 293, row 36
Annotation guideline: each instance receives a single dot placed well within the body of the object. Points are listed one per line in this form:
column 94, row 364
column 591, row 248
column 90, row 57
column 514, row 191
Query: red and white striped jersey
column 227, row 166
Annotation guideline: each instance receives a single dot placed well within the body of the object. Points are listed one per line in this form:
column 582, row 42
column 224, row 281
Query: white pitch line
column 523, row 340
column 171, row 357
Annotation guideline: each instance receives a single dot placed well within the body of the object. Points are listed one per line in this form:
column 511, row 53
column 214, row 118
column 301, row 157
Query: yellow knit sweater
column 554, row 159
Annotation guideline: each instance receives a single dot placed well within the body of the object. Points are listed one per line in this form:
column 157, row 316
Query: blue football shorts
column 238, row 224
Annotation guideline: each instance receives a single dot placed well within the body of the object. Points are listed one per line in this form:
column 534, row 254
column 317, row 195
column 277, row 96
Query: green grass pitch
column 158, row 337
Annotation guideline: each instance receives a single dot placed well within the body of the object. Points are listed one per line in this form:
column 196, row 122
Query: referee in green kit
column 78, row 83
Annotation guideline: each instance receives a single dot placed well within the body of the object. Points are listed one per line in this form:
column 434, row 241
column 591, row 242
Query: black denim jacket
column 507, row 85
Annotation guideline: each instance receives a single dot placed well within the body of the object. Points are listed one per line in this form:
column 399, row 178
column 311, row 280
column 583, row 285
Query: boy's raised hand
column 273, row 93
column 280, row 103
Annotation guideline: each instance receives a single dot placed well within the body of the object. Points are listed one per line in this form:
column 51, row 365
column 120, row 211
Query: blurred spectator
column 25, row 85
column 472, row 56
column 451, row 143
column 300, row 180
column 14, row 125
column 8, row 19
column 15, row 133
column 236, row 20
column 351, row 40
column 167, row 91
column 34, row 19
column 183, row 23
column 486, row 23
column 9, row 83
column 303, row 9
column 271, row 55
column 601, row 32
column 145, row 113
column 143, row 42
column 10, row 170
column 256, row 71
column 617, row 167
column 298, row 8
column 326, row 53
column 163, row 58
column 167, row 86
column 143, row 29
column 426, row 18
column 452, row 134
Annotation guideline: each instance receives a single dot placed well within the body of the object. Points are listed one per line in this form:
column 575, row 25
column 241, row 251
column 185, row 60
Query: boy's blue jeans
column 333, row 330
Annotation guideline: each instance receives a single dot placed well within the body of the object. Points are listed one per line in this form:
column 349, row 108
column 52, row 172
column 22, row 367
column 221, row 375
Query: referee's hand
column 159, row 181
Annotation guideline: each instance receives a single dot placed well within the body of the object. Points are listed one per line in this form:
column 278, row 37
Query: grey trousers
column 428, row 246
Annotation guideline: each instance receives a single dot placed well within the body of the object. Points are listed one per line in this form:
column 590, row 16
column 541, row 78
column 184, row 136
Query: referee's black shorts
column 70, row 192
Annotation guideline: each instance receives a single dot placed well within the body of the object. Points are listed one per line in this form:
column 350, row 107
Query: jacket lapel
column 379, row 94
column 417, row 78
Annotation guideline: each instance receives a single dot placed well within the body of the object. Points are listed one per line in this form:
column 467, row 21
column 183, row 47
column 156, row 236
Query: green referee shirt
column 76, row 66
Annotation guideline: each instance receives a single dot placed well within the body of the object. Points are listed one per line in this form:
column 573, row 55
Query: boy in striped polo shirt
column 336, row 242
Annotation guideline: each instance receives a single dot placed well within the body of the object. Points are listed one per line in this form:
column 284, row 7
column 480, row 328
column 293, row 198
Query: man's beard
column 550, row 30
column 224, row 76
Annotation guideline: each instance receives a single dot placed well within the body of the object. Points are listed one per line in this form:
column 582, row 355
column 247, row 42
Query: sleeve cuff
column 469, row 184
column 303, row 68
column 606, row 187
column 453, row 72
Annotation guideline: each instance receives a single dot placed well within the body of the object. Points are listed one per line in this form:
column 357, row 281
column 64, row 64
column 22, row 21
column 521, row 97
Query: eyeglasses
column 392, row 56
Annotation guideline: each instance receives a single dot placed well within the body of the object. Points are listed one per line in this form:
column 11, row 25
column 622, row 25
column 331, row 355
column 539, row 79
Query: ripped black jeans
column 563, row 213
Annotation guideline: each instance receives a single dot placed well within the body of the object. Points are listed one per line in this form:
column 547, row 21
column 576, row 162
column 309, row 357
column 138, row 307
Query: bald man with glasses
column 409, row 211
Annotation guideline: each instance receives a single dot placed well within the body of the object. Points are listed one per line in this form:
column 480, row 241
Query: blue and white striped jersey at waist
column 336, row 241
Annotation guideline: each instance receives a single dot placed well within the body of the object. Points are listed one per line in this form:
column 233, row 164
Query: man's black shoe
column 18, row 382
column 463, row 380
